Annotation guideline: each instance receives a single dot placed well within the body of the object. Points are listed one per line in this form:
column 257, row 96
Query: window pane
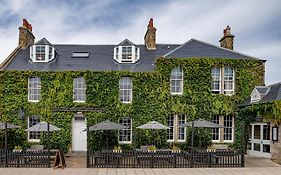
column 79, row 89
column 228, row 80
column 170, row 132
column 181, row 130
column 176, row 81
column 125, row 134
column 34, row 89
column 215, row 133
column 216, row 80
column 33, row 120
column 125, row 89
column 228, row 127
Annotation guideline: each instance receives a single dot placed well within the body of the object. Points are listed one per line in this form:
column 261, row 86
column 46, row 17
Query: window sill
column 34, row 140
column 79, row 101
column 34, row 101
column 124, row 142
column 174, row 93
column 125, row 102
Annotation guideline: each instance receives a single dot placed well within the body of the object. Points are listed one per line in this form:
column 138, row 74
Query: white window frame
column 134, row 54
column 227, row 79
column 214, row 79
column 129, row 89
column 82, row 83
column 176, row 79
column 175, row 128
column 127, row 129
column 34, row 88
column 223, row 80
column 222, row 130
column 217, row 121
column 49, row 53
column 28, row 133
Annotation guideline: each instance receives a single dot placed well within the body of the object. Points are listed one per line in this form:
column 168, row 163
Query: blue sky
column 256, row 24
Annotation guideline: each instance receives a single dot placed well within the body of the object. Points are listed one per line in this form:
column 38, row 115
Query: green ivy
column 151, row 98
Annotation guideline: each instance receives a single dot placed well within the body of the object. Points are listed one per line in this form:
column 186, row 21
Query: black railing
column 165, row 159
column 25, row 159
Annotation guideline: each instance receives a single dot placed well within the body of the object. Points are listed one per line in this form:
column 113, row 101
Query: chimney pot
column 26, row 36
column 150, row 36
column 227, row 40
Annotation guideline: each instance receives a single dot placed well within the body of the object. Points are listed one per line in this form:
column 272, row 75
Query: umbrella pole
column 49, row 157
column 6, row 145
column 107, row 139
column 192, row 135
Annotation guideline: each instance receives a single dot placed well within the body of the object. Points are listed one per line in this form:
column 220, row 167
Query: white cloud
column 106, row 22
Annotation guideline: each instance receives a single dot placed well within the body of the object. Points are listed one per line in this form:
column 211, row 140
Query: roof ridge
column 177, row 48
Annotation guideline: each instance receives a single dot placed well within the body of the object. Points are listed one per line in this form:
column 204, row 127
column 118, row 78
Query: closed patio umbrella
column 200, row 123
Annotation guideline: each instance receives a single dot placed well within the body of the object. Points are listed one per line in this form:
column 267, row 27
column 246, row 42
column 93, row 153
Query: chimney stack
column 26, row 36
column 227, row 40
column 150, row 36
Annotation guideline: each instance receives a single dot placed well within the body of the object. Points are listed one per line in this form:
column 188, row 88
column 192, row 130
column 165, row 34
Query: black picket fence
column 25, row 159
column 165, row 159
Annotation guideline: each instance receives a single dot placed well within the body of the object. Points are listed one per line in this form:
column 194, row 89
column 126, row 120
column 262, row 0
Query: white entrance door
column 79, row 137
column 259, row 144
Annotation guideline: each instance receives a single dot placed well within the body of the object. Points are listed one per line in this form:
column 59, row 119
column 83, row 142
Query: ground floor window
column 125, row 135
column 33, row 136
column 176, row 133
column 225, row 134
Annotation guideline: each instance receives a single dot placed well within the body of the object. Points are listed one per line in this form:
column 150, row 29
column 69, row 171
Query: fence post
column 192, row 155
column 243, row 159
column 6, row 158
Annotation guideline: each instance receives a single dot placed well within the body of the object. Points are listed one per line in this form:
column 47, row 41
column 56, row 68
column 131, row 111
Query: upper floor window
column 125, row 90
column 33, row 136
column 42, row 51
column 176, row 81
column 225, row 134
column 34, row 89
column 79, row 89
column 126, row 52
column 176, row 133
column 125, row 135
column 223, row 80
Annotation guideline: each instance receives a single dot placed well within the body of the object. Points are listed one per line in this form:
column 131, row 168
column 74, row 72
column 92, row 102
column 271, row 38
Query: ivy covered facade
column 165, row 83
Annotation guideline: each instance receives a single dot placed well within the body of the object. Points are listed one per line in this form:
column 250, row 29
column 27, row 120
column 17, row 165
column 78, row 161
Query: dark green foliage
column 151, row 99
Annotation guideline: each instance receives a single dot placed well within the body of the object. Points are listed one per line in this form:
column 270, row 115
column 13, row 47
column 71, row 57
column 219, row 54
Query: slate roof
column 198, row 49
column 274, row 93
column 43, row 41
column 101, row 57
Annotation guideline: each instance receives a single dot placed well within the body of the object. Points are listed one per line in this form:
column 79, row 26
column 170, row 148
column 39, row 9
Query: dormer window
column 42, row 51
column 258, row 93
column 126, row 52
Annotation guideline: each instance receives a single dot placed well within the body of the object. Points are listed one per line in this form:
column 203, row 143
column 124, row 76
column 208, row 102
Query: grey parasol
column 106, row 125
column 9, row 126
column 201, row 123
column 153, row 125
column 43, row 126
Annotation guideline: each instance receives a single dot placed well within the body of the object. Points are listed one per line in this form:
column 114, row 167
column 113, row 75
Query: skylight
column 80, row 54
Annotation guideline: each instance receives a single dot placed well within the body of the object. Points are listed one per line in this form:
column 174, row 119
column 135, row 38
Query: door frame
column 72, row 130
column 260, row 141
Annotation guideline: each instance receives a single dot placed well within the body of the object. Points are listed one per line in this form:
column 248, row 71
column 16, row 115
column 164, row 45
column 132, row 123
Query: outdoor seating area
column 165, row 159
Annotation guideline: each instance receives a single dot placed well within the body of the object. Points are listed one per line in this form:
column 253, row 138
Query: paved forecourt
column 158, row 171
